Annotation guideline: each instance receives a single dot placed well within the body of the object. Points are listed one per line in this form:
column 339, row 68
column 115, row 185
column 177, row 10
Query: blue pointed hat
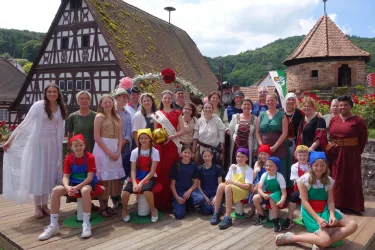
column 275, row 160
column 315, row 155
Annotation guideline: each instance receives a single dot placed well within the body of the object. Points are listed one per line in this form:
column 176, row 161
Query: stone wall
column 299, row 76
column 368, row 168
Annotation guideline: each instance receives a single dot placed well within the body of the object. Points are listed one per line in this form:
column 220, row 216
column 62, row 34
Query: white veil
column 22, row 154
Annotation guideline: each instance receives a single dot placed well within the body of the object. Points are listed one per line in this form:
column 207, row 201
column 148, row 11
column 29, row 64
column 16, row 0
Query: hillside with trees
column 247, row 68
column 243, row 69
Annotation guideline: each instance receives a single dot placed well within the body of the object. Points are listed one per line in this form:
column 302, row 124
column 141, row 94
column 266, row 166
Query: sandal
column 250, row 214
column 283, row 239
column 38, row 213
column 111, row 211
column 104, row 213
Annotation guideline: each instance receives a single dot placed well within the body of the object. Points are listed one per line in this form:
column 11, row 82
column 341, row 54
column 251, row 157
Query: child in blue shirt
column 210, row 176
column 184, row 183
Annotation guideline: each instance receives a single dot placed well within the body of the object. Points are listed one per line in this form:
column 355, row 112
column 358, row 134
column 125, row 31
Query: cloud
column 222, row 27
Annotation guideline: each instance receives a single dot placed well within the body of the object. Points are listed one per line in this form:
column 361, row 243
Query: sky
column 220, row 27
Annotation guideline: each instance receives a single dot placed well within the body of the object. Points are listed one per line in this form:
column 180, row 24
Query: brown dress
column 345, row 162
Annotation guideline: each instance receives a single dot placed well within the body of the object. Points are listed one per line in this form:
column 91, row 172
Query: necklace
column 290, row 118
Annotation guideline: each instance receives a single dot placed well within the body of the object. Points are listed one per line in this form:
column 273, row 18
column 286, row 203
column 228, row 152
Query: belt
column 217, row 148
column 346, row 142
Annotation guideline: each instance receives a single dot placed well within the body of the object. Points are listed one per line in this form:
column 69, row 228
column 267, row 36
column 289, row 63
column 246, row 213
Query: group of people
column 112, row 149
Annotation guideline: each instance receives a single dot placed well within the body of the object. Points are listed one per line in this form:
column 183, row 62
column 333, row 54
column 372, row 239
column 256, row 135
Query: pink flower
column 126, row 83
column 205, row 99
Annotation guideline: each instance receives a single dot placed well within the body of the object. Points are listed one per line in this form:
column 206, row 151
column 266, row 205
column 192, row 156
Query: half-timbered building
column 92, row 44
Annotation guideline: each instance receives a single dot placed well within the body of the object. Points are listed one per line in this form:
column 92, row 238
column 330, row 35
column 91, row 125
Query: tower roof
column 325, row 40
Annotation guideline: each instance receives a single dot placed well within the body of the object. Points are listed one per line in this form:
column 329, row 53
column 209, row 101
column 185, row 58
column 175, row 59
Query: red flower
column 169, row 75
column 355, row 101
column 362, row 103
column 300, row 99
column 305, row 92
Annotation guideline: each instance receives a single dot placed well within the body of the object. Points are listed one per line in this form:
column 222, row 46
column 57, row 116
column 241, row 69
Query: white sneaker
column 126, row 218
column 155, row 219
column 49, row 232
column 86, row 230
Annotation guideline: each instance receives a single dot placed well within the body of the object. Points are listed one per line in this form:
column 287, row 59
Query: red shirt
column 90, row 162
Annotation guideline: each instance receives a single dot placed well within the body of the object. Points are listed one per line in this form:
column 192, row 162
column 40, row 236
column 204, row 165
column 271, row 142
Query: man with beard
column 227, row 94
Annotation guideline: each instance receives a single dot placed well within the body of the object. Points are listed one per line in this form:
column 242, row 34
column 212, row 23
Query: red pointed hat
column 265, row 148
column 77, row 137
column 169, row 75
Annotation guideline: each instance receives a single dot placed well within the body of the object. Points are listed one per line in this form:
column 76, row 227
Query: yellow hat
column 146, row 131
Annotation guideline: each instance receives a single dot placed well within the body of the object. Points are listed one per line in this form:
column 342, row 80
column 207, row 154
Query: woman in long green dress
column 318, row 208
column 272, row 128
column 82, row 121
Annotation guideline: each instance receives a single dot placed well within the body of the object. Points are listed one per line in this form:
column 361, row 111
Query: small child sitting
column 275, row 194
column 144, row 161
column 184, row 184
column 237, row 184
column 210, row 176
column 79, row 177
column 264, row 152
column 298, row 169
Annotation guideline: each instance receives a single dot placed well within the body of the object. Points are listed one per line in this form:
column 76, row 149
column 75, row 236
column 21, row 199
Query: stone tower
column 326, row 58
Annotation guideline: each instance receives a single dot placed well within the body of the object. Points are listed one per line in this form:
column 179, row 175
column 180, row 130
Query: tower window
column 85, row 41
column 75, row 4
column 70, row 85
column 314, row 73
column 65, row 43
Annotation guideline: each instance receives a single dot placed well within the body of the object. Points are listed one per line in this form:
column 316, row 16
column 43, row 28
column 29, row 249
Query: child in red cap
column 264, row 152
column 79, row 177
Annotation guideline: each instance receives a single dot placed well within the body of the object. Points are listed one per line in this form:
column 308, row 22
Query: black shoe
column 260, row 221
column 215, row 219
column 227, row 222
column 288, row 224
column 276, row 225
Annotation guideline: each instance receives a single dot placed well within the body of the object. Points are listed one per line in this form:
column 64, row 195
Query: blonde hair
column 83, row 92
column 325, row 176
column 113, row 111
column 274, row 95
column 308, row 100
column 301, row 149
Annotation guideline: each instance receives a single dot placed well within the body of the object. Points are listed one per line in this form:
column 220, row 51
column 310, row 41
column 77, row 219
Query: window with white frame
column 78, row 84
column 3, row 115
column 69, row 85
column 87, row 85
column 62, row 84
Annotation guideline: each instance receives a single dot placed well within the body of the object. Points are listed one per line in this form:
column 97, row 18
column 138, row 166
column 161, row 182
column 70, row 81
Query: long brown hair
column 113, row 111
column 178, row 162
column 325, row 176
column 59, row 101
column 219, row 105
column 153, row 108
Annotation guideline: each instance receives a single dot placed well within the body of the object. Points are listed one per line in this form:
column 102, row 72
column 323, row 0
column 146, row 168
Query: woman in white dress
column 33, row 153
column 242, row 131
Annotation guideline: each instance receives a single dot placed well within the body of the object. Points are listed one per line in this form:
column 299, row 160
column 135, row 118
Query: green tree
column 27, row 67
column 30, row 49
